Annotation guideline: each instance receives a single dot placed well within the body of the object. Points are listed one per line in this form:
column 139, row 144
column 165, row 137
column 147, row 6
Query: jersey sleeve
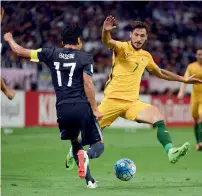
column 151, row 66
column 42, row 54
column 118, row 46
column 88, row 66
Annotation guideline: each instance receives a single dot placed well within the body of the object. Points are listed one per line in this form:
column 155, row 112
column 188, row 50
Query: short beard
column 135, row 47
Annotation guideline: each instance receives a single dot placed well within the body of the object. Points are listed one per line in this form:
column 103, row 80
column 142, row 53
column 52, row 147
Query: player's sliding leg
column 152, row 115
column 10, row 93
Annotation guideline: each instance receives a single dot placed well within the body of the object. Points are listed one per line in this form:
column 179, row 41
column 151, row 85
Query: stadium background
column 175, row 34
column 32, row 158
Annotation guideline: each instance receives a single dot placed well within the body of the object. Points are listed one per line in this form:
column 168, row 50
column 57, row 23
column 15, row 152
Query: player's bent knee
column 156, row 115
column 64, row 135
column 199, row 119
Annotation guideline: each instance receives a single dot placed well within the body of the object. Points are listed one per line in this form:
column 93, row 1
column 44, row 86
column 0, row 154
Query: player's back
column 195, row 69
column 67, row 67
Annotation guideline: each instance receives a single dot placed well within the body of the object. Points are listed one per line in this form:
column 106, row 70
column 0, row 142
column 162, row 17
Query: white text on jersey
column 66, row 56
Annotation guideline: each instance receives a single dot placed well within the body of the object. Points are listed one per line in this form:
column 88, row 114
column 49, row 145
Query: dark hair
column 71, row 33
column 140, row 25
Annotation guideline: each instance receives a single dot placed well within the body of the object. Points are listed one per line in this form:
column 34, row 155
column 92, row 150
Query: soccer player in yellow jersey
column 121, row 94
column 196, row 97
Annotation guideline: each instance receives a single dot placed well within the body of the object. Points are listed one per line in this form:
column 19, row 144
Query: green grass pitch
column 33, row 165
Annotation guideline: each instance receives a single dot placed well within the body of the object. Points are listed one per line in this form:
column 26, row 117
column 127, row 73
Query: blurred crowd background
column 176, row 32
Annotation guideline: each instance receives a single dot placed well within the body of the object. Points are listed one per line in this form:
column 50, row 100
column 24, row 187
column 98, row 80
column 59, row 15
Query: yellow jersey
column 128, row 66
column 195, row 68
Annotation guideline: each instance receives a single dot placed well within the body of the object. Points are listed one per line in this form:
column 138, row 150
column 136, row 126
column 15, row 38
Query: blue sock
column 76, row 146
column 95, row 150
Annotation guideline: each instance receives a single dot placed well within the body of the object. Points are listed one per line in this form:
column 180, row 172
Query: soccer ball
column 124, row 169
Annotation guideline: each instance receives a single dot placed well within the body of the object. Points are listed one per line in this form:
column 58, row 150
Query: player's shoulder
column 84, row 56
column 125, row 43
column 50, row 48
column 47, row 52
column 192, row 65
column 145, row 53
column 122, row 44
column 83, row 53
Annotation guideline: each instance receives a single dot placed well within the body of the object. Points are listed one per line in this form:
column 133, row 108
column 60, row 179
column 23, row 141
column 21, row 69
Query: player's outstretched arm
column 182, row 91
column 10, row 93
column 153, row 68
column 167, row 75
column 90, row 93
column 186, row 80
column 183, row 85
column 106, row 35
column 19, row 50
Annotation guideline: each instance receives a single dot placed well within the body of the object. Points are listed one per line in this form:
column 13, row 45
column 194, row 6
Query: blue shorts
column 76, row 118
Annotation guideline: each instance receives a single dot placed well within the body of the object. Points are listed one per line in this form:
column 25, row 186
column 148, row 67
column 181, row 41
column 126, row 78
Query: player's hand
column 8, row 36
column 10, row 93
column 98, row 115
column 192, row 80
column 109, row 23
column 180, row 95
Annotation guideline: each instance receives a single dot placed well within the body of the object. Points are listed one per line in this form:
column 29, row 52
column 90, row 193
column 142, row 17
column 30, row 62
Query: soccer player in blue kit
column 71, row 71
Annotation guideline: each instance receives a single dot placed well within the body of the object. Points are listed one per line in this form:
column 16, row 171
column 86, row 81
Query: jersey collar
column 131, row 47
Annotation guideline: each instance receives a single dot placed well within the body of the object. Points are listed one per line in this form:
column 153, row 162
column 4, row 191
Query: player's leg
column 199, row 128
column 91, row 135
column 149, row 114
column 81, row 158
column 110, row 114
column 69, row 161
column 69, row 121
column 194, row 111
column 111, row 110
column 10, row 93
column 95, row 150
column 71, row 132
column 116, row 109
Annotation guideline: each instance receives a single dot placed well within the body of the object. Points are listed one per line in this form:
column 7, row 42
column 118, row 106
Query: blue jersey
column 67, row 67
